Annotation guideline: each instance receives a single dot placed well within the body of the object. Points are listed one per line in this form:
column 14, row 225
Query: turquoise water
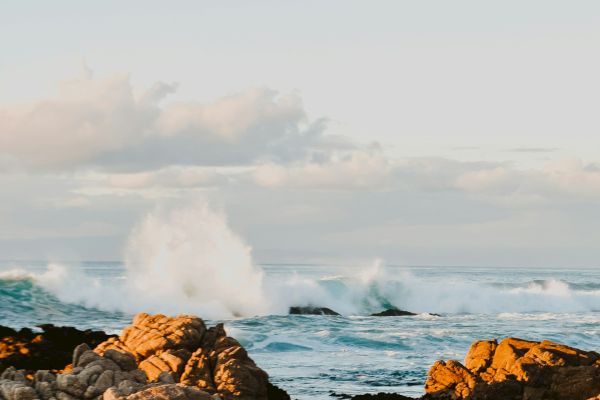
column 312, row 355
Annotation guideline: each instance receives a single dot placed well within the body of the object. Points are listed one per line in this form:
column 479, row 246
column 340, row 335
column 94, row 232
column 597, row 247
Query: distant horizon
column 350, row 265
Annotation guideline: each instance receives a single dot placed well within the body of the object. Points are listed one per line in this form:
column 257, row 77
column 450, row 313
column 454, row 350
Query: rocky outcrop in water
column 312, row 311
column 160, row 358
column 157, row 357
column 517, row 369
column 49, row 349
column 394, row 312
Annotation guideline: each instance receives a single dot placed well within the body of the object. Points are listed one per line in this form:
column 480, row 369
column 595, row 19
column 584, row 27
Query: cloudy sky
column 425, row 133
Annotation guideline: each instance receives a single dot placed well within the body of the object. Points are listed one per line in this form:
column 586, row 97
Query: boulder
column 312, row 311
column 157, row 357
column 517, row 369
column 162, row 392
column 381, row 396
column 393, row 312
column 184, row 349
column 91, row 376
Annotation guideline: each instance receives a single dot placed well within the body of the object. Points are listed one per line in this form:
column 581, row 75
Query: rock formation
column 312, row 311
column 393, row 312
column 517, row 369
column 50, row 349
column 156, row 358
column 161, row 358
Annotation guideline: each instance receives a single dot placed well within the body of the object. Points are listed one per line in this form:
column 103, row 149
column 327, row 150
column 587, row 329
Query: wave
column 188, row 260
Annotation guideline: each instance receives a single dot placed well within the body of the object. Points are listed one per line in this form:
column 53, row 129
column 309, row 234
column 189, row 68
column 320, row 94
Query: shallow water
column 310, row 356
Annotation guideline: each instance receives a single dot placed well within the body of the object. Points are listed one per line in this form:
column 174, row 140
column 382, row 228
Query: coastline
column 179, row 357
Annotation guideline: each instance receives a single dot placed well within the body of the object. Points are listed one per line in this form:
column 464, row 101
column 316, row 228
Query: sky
column 422, row 133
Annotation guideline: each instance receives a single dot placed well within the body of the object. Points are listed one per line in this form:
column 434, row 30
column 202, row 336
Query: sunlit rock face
column 517, row 369
column 157, row 357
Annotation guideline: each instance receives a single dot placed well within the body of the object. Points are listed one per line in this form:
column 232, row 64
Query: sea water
column 313, row 356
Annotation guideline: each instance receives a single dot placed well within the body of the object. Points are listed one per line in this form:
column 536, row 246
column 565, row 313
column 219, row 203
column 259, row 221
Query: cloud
column 169, row 177
column 103, row 124
column 354, row 171
column 533, row 150
column 565, row 178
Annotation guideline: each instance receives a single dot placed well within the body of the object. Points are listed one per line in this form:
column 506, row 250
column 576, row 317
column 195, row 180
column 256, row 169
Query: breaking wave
column 188, row 260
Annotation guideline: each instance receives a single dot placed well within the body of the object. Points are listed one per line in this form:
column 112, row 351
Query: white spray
column 187, row 260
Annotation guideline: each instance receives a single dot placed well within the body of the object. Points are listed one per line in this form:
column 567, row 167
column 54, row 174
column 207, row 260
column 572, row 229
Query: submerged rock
column 312, row 311
column 393, row 312
column 517, row 369
column 50, row 349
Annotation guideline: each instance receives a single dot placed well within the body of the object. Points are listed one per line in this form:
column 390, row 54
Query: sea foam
column 188, row 260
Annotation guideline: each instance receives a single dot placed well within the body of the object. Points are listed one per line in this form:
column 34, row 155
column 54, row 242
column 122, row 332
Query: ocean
column 313, row 356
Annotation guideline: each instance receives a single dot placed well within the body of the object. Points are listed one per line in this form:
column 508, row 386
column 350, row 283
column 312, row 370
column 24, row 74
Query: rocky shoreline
column 160, row 357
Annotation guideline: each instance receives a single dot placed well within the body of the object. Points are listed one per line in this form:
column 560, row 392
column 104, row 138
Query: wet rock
column 312, row 311
column 381, row 396
column 377, row 396
column 393, row 312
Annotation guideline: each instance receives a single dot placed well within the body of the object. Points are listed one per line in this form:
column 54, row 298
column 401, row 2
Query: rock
column 11, row 390
column 451, row 378
column 517, row 369
column 312, row 311
column 381, row 396
column 168, row 392
column 393, row 312
column 377, row 396
column 235, row 375
column 92, row 376
column 189, row 353
column 157, row 357
column 198, row 371
column 49, row 350
column 152, row 334
column 275, row 393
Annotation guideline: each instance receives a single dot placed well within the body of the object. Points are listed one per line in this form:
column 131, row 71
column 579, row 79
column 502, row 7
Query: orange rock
column 451, row 378
column 517, row 369
column 192, row 354
column 480, row 355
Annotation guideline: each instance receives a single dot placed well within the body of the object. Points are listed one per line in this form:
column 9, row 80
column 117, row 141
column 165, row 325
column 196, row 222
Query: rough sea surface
column 311, row 356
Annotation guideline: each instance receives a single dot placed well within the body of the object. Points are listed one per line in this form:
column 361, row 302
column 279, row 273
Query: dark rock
column 275, row 393
column 50, row 349
column 393, row 312
column 381, row 396
column 312, row 311
column 378, row 396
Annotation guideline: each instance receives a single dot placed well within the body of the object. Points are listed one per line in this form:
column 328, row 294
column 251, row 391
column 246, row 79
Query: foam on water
column 189, row 261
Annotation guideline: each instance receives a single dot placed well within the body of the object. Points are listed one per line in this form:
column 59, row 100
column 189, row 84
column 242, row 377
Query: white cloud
column 98, row 154
column 354, row 171
column 103, row 124
column 169, row 177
